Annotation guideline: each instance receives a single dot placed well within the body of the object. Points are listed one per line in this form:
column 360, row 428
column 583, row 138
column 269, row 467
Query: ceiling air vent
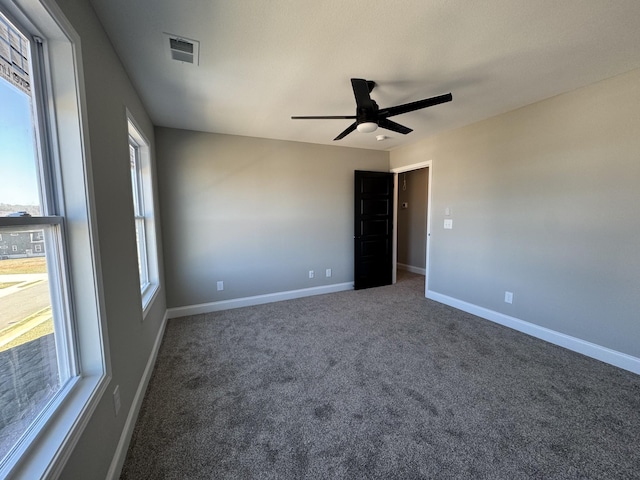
column 183, row 49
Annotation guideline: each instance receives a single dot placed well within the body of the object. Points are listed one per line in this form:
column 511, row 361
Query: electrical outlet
column 220, row 286
column 116, row 399
column 508, row 297
column 328, row 272
column 311, row 274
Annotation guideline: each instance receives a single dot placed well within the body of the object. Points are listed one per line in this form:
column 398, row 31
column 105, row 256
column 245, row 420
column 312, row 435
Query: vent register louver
column 182, row 49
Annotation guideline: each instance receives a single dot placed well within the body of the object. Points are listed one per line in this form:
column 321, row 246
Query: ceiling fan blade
column 347, row 131
column 393, row 126
column 329, row 117
column 410, row 107
column 361, row 90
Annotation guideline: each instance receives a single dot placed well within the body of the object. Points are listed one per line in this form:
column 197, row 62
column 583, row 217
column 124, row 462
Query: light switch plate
column 448, row 223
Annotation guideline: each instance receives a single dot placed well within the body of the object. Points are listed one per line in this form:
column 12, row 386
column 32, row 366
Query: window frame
column 143, row 202
column 62, row 129
column 139, row 213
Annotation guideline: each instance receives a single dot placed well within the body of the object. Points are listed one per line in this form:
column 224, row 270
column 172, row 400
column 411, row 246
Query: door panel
column 375, row 207
column 375, row 248
column 375, row 185
column 373, row 229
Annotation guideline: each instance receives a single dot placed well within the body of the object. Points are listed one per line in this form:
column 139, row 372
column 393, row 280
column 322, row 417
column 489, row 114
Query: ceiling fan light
column 367, row 127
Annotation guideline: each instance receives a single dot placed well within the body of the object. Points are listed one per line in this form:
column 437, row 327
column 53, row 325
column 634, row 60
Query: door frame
column 394, row 267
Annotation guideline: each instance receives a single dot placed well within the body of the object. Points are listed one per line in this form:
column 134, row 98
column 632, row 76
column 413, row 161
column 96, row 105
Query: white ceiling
column 262, row 61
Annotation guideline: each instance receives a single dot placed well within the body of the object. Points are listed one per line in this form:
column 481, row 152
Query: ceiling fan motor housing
column 367, row 114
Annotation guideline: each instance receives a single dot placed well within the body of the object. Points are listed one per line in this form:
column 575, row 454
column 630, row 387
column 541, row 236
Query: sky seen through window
column 18, row 176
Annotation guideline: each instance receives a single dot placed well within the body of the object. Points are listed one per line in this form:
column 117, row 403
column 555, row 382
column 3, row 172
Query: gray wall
column 256, row 214
column 412, row 221
column 108, row 92
column 544, row 203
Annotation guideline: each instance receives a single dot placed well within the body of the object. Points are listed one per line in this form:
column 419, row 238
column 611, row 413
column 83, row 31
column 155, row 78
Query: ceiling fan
column 369, row 116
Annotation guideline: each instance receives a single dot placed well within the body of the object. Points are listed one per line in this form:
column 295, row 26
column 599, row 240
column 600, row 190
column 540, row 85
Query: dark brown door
column 373, row 229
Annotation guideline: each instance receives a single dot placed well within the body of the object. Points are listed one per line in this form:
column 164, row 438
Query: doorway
column 412, row 219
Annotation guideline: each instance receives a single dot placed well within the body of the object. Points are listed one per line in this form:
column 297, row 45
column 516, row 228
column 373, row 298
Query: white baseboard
column 604, row 354
column 412, row 269
column 125, row 437
column 256, row 300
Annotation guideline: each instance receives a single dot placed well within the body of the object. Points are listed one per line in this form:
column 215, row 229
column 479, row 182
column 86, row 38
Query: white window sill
column 149, row 295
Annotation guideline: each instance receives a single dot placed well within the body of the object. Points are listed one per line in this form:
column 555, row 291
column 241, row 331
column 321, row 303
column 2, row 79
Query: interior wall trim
column 412, row 269
column 598, row 352
column 256, row 300
column 413, row 166
column 125, row 437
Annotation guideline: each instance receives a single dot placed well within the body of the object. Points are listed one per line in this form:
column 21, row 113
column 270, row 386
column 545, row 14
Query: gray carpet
column 378, row 384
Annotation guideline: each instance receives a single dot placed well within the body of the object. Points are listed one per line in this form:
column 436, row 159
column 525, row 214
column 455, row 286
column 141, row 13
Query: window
column 52, row 364
column 143, row 201
column 36, row 354
column 138, row 212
